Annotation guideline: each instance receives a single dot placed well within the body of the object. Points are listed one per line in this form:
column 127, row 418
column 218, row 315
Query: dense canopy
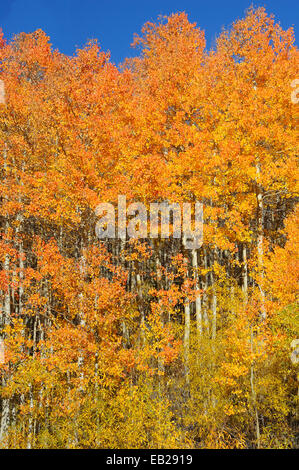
column 142, row 343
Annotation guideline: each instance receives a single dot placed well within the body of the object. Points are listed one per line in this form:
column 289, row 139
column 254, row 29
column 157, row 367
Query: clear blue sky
column 70, row 23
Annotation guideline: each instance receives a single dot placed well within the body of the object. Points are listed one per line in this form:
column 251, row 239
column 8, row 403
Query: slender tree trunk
column 260, row 239
column 205, row 300
column 214, row 304
column 253, row 396
column 245, row 274
column 187, row 337
column 198, row 309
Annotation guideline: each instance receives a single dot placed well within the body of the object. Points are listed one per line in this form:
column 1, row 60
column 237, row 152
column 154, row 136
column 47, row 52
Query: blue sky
column 70, row 23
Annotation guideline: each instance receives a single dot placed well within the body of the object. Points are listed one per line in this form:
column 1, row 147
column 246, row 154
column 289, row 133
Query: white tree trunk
column 198, row 309
column 260, row 240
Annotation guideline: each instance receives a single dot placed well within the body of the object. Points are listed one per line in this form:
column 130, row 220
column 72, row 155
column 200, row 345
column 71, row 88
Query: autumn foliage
column 144, row 344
